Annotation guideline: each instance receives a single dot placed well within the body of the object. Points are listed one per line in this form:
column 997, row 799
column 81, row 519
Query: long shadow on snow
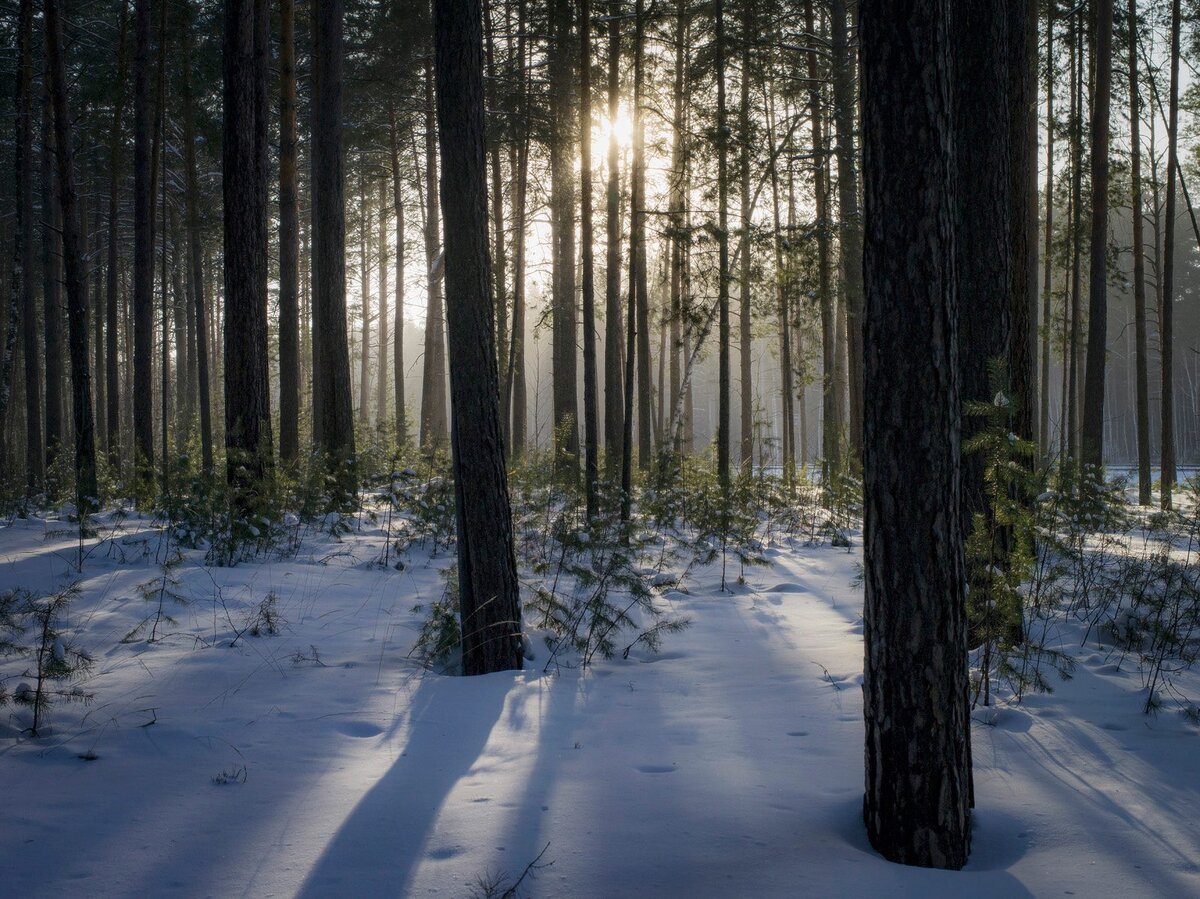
column 378, row 848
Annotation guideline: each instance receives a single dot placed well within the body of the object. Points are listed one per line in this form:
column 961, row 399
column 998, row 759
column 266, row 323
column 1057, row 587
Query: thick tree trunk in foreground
column 915, row 678
column 86, row 492
column 248, row 441
column 488, row 592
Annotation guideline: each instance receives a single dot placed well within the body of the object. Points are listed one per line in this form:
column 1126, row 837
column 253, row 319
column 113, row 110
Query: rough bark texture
column 745, row 338
column 86, row 492
column 637, row 241
column 488, row 591
column 289, row 242
column 244, row 177
column 1092, row 437
column 51, row 285
column 915, row 677
column 398, row 349
column 333, row 423
column 1022, row 62
column 381, row 385
column 1048, row 249
column 723, row 386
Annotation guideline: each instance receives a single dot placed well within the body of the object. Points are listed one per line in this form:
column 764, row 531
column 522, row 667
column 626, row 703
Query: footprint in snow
column 358, row 729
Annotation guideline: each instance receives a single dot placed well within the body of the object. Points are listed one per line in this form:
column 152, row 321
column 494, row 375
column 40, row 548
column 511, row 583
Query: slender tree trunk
column 289, row 242
column 499, row 260
column 364, row 280
column 915, row 678
column 1166, row 312
column 564, row 341
column 637, row 239
column 489, row 599
column 333, row 423
column 850, row 226
column 22, row 273
column 1093, row 389
column 245, row 173
column 1139, row 265
column 143, row 252
column 196, row 252
column 1072, row 411
column 433, row 389
column 587, row 238
column 398, row 349
column 786, row 369
column 1048, row 248
column 1023, row 143
column 86, row 490
column 52, row 251
column 614, row 403
column 747, row 211
column 677, row 233
column 381, row 387
column 723, row 385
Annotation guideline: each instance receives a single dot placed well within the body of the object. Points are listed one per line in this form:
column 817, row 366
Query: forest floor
column 323, row 761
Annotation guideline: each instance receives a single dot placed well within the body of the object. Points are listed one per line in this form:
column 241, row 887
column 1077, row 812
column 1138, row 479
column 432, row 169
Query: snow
column 325, row 762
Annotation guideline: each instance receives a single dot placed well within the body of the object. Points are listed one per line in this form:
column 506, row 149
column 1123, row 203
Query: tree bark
column 1166, row 312
column 143, row 253
column 1093, row 388
column 1048, row 249
column 398, row 349
column 614, row 403
column 289, row 242
column 333, row 422
column 723, row 385
column 381, row 387
column 86, row 491
column 52, row 251
column 747, row 211
column 489, row 601
column 364, row 279
column 915, row 678
column 1139, row 266
column 590, row 428
column 244, row 175
column 433, row 388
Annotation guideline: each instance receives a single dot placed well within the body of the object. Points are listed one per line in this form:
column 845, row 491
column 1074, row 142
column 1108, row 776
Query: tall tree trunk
column 364, row 281
column 196, row 252
column 915, row 678
column 677, row 232
column 22, row 273
column 52, row 251
column 398, row 349
column 289, row 242
column 489, row 600
column 831, row 407
column 637, row 239
column 747, row 211
column 143, row 253
column 244, row 176
column 614, row 403
column 1139, row 265
column 381, row 387
column 1093, row 389
column 1166, row 311
column 564, row 341
column 590, row 435
column 786, row 368
column 433, row 389
column 499, row 261
column 723, row 385
column 333, row 422
column 1023, row 143
column 1071, row 440
column 1048, row 248
column 850, row 235
column 86, row 491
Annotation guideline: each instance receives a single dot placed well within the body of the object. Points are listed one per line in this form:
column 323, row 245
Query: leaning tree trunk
column 244, row 176
column 86, row 492
column 489, row 601
column 289, row 242
column 1092, row 438
column 915, row 678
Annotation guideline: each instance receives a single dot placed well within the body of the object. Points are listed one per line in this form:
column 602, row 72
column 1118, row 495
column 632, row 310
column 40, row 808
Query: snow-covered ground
column 729, row 764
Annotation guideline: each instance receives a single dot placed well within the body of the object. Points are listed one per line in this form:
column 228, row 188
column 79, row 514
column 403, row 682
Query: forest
column 590, row 448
